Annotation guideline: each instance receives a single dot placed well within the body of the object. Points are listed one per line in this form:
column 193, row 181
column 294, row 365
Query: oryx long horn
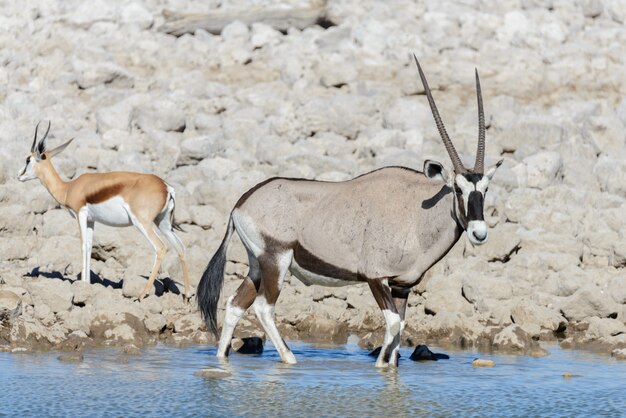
column 454, row 156
column 479, row 166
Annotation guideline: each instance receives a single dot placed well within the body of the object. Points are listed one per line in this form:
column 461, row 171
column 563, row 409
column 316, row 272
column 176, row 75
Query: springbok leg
column 165, row 227
column 391, row 345
column 237, row 305
column 147, row 229
column 86, row 236
column 273, row 270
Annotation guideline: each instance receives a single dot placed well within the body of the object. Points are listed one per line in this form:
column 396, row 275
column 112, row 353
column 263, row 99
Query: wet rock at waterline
column 423, row 353
column 71, row 358
column 212, row 373
column 250, row 345
column 483, row 363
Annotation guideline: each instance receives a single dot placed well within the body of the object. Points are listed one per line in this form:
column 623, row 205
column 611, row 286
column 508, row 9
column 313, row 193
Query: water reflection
column 328, row 381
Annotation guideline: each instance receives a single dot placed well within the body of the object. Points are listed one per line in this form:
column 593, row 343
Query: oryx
column 114, row 199
column 386, row 228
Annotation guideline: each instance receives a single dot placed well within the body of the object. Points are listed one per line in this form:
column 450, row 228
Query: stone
column 212, row 373
column 526, row 313
column 133, row 286
column 155, row 323
column 56, row 294
column 131, row 350
column 250, row 345
column 512, row 339
column 603, row 327
column 423, row 353
column 136, row 14
column 71, row 358
column 477, row 362
column 188, row 323
column 10, row 305
column 162, row 114
column 542, row 168
column 619, row 353
column 586, row 302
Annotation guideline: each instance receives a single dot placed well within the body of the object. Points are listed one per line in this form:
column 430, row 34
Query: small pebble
column 478, row 362
column 212, row 373
column 71, row 358
column 131, row 349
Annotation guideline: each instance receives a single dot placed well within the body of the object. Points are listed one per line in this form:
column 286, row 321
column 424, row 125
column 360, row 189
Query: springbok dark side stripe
column 104, row 194
column 475, row 203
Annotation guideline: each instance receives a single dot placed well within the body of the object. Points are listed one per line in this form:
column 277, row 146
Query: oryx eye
column 27, row 160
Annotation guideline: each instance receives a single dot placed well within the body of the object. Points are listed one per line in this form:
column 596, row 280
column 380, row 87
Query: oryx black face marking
column 475, row 204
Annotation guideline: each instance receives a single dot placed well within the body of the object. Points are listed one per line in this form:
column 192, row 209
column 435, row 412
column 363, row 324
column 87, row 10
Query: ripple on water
column 328, row 381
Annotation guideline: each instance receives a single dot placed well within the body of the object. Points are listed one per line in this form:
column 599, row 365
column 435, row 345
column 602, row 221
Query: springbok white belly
column 309, row 278
column 112, row 212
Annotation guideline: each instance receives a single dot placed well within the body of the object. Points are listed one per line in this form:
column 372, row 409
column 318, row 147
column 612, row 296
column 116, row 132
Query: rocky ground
column 216, row 113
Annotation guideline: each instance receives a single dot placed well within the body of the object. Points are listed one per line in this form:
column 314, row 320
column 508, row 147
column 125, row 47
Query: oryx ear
column 492, row 170
column 434, row 170
column 59, row 149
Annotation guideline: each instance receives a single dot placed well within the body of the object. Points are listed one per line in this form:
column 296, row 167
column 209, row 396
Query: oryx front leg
column 389, row 352
column 86, row 237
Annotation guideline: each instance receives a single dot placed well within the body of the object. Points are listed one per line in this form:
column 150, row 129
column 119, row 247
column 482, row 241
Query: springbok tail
column 171, row 196
column 210, row 285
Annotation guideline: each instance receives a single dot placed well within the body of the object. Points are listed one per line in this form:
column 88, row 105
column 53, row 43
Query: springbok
column 385, row 228
column 115, row 199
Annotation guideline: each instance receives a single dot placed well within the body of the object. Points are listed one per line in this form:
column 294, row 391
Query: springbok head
column 39, row 156
column 469, row 184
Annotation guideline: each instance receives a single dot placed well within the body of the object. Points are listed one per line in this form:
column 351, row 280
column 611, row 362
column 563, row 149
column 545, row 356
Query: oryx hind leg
column 389, row 352
column 273, row 270
column 238, row 303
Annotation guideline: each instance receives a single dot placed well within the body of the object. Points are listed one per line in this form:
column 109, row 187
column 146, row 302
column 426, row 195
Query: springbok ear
column 492, row 169
column 40, row 149
column 434, row 170
column 59, row 149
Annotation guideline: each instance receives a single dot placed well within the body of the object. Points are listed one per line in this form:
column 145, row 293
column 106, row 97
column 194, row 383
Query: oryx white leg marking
column 391, row 343
column 232, row 317
column 234, row 312
column 265, row 312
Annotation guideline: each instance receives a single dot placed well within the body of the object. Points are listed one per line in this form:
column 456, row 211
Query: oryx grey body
column 385, row 228
column 391, row 223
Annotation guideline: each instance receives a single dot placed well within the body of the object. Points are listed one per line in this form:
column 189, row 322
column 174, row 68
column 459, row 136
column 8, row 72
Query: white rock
column 542, row 169
column 136, row 14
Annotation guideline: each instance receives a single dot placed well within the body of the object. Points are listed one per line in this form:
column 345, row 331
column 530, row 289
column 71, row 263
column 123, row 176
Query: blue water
column 327, row 382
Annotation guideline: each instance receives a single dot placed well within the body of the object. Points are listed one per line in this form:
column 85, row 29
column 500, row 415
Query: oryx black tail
column 210, row 285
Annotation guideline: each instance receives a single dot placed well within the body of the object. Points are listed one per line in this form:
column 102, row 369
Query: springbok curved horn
column 32, row 148
column 41, row 146
column 454, row 156
column 479, row 166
